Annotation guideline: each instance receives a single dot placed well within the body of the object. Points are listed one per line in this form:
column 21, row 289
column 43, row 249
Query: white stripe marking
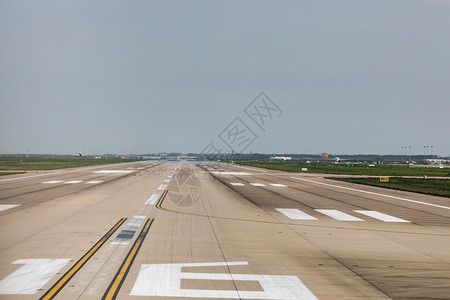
column 258, row 170
column 257, row 184
column 30, row 278
column 53, row 181
column 114, row 172
column 376, row 194
column 29, row 176
column 94, row 182
column 381, row 216
column 166, row 180
column 338, row 215
column 152, row 199
column 295, row 214
column 278, row 185
column 7, row 206
column 237, row 184
column 73, row 181
column 125, row 236
column 231, row 173
column 170, row 176
column 162, row 187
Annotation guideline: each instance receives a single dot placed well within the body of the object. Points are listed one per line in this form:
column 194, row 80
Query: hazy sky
column 149, row 76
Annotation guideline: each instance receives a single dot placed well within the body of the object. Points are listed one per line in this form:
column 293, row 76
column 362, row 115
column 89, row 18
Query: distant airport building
column 324, row 155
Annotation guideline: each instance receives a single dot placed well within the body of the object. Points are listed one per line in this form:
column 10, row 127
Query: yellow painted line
column 58, row 286
column 161, row 199
column 116, row 283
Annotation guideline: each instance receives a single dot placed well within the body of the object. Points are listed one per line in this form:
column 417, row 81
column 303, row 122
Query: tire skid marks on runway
column 296, row 214
column 119, row 278
column 59, row 285
column 127, row 233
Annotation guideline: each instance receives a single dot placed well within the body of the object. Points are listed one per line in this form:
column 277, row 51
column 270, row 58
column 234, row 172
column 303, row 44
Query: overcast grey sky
column 149, row 76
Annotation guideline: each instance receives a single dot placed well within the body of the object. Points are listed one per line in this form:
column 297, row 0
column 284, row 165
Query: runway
column 216, row 231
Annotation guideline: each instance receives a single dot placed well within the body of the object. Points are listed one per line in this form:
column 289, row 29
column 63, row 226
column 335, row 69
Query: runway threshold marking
column 338, row 215
column 161, row 199
column 26, row 177
column 372, row 193
column 116, row 283
column 380, row 216
column 59, row 285
column 8, row 206
column 295, row 214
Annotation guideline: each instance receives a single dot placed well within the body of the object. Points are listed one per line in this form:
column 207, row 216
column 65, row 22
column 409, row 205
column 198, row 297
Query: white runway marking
column 231, row 173
column 381, row 216
column 114, row 172
column 32, row 276
column 295, row 214
column 7, row 206
column 338, row 215
column 53, row 181
column 166, row 180
column 257, row 184
column 278, row 185
column 170, row 176
column 152, row 200
column 162, row 187
column 376, row 194
column 164, row 280
column 125, row 236
column 73, row 181
column 26, row 177
column 237, row 184
column 94, row 182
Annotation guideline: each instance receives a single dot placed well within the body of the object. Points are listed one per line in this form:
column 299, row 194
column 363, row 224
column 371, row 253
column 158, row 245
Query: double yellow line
column 161, row 199
column 116, row 283
column 57, row 287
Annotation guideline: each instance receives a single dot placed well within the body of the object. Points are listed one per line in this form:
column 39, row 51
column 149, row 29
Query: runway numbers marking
column 278, row 185
column 164, row 280
column 338, row 215
column 127, row 233
column 162, row 187
column 257, row 184
column 295, row 214
column 152, row 199
column 32, row 276
column 381, row 216
column 237, row 184
column 52, row 181
column 7, row 206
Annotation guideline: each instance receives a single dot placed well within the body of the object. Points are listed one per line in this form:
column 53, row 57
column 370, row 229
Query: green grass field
column 437, row 187
column 32, row 163
column 10, row 173
column 349, row 169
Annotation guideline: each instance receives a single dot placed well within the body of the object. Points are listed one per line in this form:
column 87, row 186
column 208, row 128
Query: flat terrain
column 217, row 232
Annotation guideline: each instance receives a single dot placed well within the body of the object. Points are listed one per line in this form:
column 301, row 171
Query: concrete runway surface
column 212, row 231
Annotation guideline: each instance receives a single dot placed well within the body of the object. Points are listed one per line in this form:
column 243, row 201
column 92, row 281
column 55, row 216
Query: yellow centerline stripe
column 57, row 287
column 161, row 199
column 116, row 283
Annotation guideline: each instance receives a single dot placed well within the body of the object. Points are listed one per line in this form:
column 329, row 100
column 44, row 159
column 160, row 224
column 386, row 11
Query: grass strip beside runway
column 350, row 168
column 430, row 186
column 59, row 285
